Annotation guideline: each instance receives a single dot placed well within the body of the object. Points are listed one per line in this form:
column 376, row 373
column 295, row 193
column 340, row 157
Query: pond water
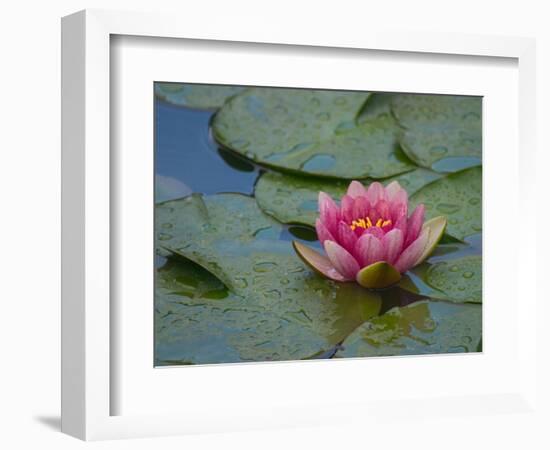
column 188, row 160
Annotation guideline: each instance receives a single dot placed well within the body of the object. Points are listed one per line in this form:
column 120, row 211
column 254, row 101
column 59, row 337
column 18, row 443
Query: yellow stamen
column 366, row 223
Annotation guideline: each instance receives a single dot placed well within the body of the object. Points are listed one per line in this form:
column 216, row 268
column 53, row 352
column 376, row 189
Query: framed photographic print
column 236, row 240
column 285, row 230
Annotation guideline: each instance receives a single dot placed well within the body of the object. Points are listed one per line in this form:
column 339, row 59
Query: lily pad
column 414, row 180
column 459, row 279
column 228, row 235
column 456, row 196
column 200, row 96
column 199, row 321
column 310, row 131
column 424, row 327
column 293, row 199
column 442, row 132
column 377, row 106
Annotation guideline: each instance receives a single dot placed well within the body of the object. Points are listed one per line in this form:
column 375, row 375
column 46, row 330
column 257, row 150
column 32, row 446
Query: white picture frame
column 89, row 385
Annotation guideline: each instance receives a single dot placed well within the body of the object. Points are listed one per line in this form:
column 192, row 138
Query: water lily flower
column 369, row 237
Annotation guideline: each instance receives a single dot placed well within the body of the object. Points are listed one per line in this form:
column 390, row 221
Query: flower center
column 366, row 223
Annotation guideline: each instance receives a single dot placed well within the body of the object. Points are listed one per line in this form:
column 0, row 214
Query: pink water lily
column 369, row 237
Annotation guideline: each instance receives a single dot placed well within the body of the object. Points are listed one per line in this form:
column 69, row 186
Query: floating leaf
column 377, row 106
column 228, row 235
column 458, row 198
column 414, row 180
column 443, row 132
column 199, row 321
column 459, row 279
column 293, row 199
column 310, row 131
column 200, row 96
column 424, row 327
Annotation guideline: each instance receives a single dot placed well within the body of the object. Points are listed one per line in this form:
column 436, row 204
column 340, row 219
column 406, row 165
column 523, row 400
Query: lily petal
column 328, row 211
column 375, row 231
column 346, row 208
column 319, row 263
column 383, row 209
column 369, row 249
column 401, row 224
column 399, row 205
column 392, row 190
column 412, row 253
column 378, row 275
column 375, row 192
column 356, row 189
column 392, row 242
column 342, row 260
column 323, row 234
column 414, row 224
column 436, row 226
column 361, row 207
column 346, row 237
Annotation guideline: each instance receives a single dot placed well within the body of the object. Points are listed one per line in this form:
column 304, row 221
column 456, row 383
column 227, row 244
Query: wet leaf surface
column 457, row 197
column 229, row 236
column 312, row 132
column 423, row 327
column 199, row 321
column 459, row 279
column 200, row 96
column 441, row 132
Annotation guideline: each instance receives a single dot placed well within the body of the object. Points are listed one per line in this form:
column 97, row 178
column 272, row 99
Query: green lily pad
column 442, row 132
column 425, row 327
column 414, row 180
column 457, row 197
column 293, row 199
column 200, row 96
column 309, row 131
column 459, row 279
column 436, row 111
column 377, row 106
column 200, row 321
column 228, row 235
column 448, row 151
